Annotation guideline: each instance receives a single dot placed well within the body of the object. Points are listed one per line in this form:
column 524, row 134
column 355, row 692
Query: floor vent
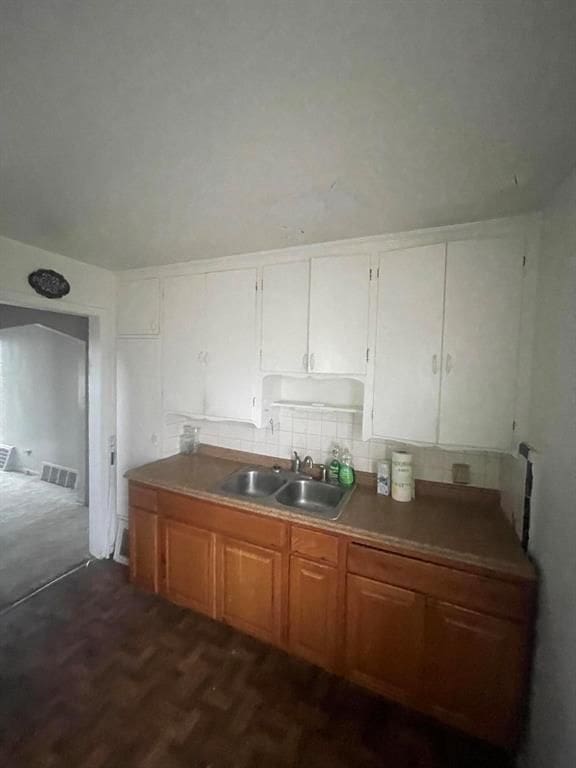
column 64, row 476
column 7, row 453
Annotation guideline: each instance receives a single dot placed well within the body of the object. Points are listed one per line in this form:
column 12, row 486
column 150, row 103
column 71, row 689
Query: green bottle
column 334, row 466
column 346, row 474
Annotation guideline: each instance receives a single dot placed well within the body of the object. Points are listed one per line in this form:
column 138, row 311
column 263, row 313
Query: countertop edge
column 445, row 557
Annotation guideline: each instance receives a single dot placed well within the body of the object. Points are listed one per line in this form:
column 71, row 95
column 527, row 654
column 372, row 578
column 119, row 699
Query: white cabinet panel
column 285, row 317
column 481, row 330
column 231, row 343
column 139, row 421
column 183, row 344
column 409, row 343
column 139, row 307
column 339, row 307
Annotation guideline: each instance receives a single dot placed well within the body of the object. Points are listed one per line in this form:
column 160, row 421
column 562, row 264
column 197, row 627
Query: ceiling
column 141, row 132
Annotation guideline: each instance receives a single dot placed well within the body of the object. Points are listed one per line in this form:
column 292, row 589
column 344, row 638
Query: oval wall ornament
column 49, row 283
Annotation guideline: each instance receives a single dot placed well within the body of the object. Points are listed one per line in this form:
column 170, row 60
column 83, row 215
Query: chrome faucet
column 296, row 463
column 307, row 465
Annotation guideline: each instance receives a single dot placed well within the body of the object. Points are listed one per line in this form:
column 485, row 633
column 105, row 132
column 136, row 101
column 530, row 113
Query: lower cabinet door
column 384, row 638
column 144, row 549
column 189, row 577
column 249, row 589
column 313, row 611
column 474, row 668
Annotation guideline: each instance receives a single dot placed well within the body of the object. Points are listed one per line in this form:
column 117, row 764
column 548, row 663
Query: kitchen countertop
column 470, row 535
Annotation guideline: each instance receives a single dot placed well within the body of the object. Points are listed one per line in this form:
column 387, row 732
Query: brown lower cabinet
column 249, row 589
column 145, row 558
column 474, row 670
column 384, row 638
column 189, row 566
column 313, row 616
column 446, row 641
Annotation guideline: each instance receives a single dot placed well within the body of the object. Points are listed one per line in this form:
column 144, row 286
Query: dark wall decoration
column 48, row 283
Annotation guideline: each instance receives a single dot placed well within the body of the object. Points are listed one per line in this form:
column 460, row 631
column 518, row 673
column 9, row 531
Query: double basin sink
column 288, row 490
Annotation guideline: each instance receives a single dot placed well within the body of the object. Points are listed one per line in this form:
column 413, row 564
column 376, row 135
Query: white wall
column 43, row 397
column 139, row 409
column 552, row 732
column 93, row 294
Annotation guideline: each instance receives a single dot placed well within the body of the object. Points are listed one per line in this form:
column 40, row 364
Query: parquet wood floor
column 94, row 674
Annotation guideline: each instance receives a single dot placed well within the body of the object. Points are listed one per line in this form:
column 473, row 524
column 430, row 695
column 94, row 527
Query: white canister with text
column 402, row 476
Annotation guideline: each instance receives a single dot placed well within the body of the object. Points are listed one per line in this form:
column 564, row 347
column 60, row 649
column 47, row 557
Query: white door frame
column 102, row 480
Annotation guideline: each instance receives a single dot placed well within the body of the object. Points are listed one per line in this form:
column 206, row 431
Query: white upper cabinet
column 409, row 343
column 285, row 295
column 231, row 344
column 139, row 307
column 481, row 332
column 184, row 344
column 339, row 313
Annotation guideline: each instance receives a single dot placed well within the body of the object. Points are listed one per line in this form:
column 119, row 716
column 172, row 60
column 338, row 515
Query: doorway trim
column 101, row 413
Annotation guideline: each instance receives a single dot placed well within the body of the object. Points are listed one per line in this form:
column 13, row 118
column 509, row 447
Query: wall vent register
column 57, row 475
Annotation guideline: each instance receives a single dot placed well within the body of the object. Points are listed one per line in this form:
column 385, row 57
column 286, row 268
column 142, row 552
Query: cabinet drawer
column 496, row 597
column 314, row 544
column 257, row 529
column 143, row 498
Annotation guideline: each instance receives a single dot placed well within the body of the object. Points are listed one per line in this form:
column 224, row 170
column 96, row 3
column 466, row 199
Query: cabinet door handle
column 434, row 363
column 448, row 363
column 305, row 361
column 312, row 360
column 205, row 357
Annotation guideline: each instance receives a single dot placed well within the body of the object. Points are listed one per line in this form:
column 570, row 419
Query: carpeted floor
column 43, row 533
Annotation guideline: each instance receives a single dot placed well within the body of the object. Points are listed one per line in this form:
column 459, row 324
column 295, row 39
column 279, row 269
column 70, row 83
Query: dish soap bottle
column 346, row 474
column 334, row 466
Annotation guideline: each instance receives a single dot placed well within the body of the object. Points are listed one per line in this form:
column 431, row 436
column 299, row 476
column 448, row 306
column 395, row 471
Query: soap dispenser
column 334, row 466
column 346, row 474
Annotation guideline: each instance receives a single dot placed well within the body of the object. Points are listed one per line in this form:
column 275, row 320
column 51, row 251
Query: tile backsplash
column 316, row 433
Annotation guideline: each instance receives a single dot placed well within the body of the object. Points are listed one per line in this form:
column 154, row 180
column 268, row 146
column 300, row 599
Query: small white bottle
column 383, row 478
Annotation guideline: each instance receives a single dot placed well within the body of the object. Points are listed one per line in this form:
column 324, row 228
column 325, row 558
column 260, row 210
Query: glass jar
column 189, row 439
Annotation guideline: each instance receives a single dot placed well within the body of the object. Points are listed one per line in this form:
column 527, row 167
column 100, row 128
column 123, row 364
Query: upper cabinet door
column 231, row 343
column 285, row 317
column 409, row 343
column 339, row 299
column 481, row 331
column 184, row 344
column 139, row 307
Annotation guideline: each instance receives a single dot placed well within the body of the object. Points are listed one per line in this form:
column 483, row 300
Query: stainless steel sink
column 287, row 490
column 254, row 483
column 312, row 497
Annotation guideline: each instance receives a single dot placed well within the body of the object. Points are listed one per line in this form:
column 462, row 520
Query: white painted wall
column 43, row 397
column 139, row 409
column 552, row 733
column 93, row 294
